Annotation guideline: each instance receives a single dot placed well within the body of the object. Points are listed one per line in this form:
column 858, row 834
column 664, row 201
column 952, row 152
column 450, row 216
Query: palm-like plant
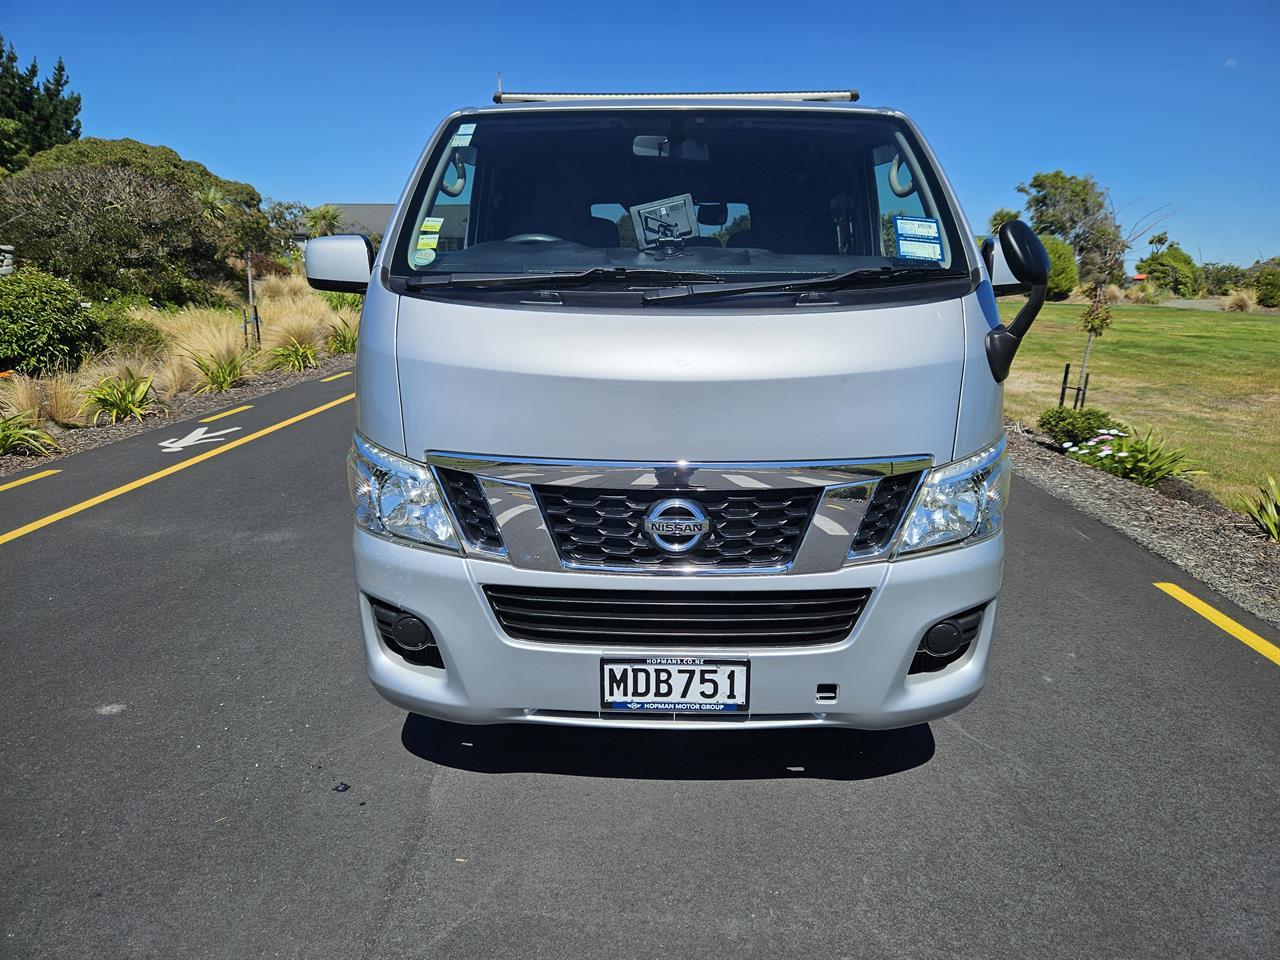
column 21, row 433
column 121, row 397
column 322, row 221
column 214, row 206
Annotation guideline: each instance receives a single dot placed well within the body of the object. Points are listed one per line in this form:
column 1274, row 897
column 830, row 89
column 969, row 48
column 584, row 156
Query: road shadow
column 824, row 754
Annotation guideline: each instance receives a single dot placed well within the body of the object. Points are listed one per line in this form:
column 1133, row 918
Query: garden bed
column 1174, row 520
column 181, row 407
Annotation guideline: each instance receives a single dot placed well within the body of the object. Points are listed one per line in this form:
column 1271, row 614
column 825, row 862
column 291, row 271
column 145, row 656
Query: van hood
column 657, row 385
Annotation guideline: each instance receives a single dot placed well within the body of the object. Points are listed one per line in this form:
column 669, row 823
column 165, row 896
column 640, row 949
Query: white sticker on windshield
column 463, row 137
column 919, row 238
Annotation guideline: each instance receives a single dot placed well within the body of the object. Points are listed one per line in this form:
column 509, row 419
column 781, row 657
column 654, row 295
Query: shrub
column 113, row 231
column 20, row 433
column 21, row 394
column 121, row 326
column 1268, row 287
column 1064, row 274
column 63, row 400
column 1218, row 279
column 1064, row 425
column 174, row 375
column 342, row 337
column 1112, row 293
column 220, row 374
column 1145, row 293
column 1265, row 510
column 1172, row 269
column 42, row 324
column 1240, row 301
column 121, row 397
column 1146, row 460
column 292, row 356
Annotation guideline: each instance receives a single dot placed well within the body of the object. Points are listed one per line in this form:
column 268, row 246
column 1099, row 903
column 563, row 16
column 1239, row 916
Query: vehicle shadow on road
column 824, row 754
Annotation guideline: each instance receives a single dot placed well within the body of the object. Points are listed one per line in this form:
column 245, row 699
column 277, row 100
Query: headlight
column 397, row 497
column 964, row 500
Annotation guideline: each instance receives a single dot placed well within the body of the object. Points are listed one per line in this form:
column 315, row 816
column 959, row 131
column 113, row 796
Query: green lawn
column 1208, row 381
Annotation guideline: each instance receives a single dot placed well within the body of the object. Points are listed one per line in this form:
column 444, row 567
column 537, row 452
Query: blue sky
column 1165, row 103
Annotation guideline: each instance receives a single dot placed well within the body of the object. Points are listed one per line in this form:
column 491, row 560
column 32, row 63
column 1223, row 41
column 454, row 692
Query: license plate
column 674, row 685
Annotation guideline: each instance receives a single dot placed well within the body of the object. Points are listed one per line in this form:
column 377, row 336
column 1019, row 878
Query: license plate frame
column 732, row 693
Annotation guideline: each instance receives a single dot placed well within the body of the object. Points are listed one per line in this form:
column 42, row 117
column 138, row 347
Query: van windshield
column 739, row 195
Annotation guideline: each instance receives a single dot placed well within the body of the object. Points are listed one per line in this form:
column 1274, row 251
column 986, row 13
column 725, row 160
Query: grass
column 1206, row 381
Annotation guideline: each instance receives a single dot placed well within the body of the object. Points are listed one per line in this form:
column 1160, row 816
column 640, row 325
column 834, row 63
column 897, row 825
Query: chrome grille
column 702, row 618
column 749, row 529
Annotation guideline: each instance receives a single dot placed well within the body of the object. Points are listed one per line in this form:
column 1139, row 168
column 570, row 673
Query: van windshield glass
column 739, row 194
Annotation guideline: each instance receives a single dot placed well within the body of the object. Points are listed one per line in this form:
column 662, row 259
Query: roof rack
column 503, row 96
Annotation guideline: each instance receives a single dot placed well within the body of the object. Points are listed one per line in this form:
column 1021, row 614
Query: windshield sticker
column 919, row 238
column 421, row 258
column 463, row 137
column 432, row 224
column 428, row 241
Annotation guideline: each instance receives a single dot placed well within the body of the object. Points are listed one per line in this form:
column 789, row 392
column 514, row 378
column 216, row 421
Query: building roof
column 365, row 217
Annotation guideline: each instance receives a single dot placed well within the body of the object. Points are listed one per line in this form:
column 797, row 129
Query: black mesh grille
column 760, row 528
column 466, row 496
column 891, row 498
column 677, row 617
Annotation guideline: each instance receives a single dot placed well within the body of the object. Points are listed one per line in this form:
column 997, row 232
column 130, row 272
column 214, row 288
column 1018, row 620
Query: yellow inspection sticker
column 432, row 224
column 428, row 241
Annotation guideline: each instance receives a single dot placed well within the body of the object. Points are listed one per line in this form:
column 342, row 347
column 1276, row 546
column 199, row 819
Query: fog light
column 943, row 639
column 410, row 633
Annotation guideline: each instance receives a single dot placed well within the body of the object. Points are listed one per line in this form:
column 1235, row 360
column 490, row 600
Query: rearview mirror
column 342, row 264
column 1017, row 263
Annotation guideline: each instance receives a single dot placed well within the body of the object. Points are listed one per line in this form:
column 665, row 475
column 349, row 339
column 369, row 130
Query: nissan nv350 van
column 680, row 411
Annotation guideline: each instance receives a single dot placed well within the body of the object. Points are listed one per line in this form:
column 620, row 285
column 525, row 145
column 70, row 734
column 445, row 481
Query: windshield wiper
column 623, row 275
column 863, row 276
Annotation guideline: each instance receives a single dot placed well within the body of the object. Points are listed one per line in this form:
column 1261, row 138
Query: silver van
column 680, row 411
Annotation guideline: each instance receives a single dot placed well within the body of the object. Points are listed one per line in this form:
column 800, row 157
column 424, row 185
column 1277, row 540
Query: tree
column 1221, row 278
column 323, row 221
column 1094, row 321
column 113, row 231
column 1074, row 209
column 1172, row 269
column 1158, row 240
column 1000, row 218
column 34, row 114
column 285, row 219
column 1063, row 273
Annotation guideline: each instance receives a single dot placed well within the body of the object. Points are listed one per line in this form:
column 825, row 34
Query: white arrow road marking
column 198, row 435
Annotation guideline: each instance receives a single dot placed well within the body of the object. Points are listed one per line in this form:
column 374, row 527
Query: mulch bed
column 180, row 408
column 1173, row 520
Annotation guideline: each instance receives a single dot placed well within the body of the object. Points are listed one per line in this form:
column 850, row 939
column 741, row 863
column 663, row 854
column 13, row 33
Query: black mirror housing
column 1024, row 253
column 1028, row 261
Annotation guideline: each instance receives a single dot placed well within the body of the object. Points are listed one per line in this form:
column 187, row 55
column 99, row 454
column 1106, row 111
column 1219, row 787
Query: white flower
column 1121, row 454
column 1105, row 453
column 1068, row 445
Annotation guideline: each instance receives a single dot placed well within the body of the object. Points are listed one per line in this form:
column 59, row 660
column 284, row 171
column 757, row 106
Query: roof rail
column 503, row 96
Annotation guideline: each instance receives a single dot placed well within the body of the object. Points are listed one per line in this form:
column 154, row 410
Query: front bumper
column 491, row 678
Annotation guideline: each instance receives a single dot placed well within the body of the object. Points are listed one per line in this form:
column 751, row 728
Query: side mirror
column 1018, row 256
column 342, row 264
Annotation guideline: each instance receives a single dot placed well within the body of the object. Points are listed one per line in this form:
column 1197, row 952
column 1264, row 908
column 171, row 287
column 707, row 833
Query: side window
column 896, row 194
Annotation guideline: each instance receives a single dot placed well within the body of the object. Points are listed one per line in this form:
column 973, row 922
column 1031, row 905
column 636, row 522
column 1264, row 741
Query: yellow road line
column 226, row 413
column 336, row 376
column 160, row 474
column 35, row 476
column 1220, row 619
